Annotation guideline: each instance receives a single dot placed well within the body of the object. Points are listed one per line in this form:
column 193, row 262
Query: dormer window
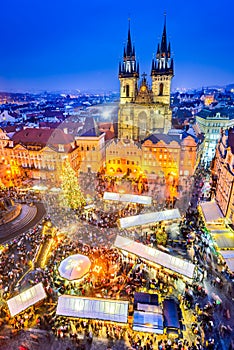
column 61, row 148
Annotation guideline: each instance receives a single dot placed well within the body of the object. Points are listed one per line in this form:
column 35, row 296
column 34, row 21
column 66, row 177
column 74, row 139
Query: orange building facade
column 38, row 154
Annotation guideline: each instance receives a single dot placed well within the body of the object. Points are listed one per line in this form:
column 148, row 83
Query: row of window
column 88, row 148
column 119, row 162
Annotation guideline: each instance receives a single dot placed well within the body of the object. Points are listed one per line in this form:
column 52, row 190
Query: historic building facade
column 144, row 119
column 223, row 174
column 145, row 110
column 91, row 143
column 39, row 153
column 211, row 122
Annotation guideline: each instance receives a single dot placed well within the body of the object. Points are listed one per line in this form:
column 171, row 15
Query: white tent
column 94, row 308
column 211, row 212
column 74, row 267
column 228, row 256
column 25, row 299
column 149, row 218
column 125, row 197
column 224, row 240
column 181, row 266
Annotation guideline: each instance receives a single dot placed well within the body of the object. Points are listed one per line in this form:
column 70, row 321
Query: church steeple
column 129, row 67
column 163, row 63
column 128, row 72
column 162, row 70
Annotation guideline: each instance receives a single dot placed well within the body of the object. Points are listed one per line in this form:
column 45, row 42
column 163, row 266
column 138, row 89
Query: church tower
column 162, row 71
column 128, row 73
column 145, row 110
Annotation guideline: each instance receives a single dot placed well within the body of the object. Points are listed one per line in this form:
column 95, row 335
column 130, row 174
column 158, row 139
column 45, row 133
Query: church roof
column 155, row 138
column 90, row 128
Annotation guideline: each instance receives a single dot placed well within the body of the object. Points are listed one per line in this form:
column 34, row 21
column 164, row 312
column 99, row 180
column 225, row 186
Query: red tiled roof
column 42, row 136
column 10, row 128
column 109, row 135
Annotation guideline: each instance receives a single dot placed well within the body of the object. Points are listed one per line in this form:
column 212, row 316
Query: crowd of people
column 118, row 276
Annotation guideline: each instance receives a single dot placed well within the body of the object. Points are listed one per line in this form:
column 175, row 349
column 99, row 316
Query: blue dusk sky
column 74, row 44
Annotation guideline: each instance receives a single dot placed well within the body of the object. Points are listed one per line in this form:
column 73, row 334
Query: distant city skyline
column 48, row 45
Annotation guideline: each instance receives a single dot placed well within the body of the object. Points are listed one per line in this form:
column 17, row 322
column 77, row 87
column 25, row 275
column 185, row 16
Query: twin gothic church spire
column 162, row 64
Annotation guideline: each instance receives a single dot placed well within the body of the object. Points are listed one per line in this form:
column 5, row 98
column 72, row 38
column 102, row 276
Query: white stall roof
column 149, row 218
column 211, row 211
column 224, row 240
column 25, row 299
column 228, row 256
column 148, row 322
column 173, row 263
column 99, row 309
column 125, row 197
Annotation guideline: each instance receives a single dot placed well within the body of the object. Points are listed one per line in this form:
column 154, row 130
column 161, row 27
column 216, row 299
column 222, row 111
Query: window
column 161, row 89
column 127, row 90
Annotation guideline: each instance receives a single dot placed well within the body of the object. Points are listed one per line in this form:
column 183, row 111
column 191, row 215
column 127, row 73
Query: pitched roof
column 90, row 128
column 42, row 137
column 155, row 138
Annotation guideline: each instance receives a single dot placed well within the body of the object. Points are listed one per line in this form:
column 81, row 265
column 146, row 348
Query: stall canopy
column 141, row 298
column 148, row 322
column 93, row 308
column 171, row 315
column 25, row 299
column 74, row 267
column 147, row 315
column 224, row 239
column 125, row 197
column 181, row 266
column 211, row 212
column 228, row 256
column 149, row 218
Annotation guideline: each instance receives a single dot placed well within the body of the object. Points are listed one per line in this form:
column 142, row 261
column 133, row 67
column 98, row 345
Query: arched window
column 161, row 89
column 127, row 90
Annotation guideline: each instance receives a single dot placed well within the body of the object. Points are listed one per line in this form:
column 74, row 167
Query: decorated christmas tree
column 71, row 195
column 2, row 186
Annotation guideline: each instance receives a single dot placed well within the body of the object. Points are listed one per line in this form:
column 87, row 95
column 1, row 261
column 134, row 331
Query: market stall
column 149, row 218
column 180, row 266
column 148, row 322
column 93, row 308
column 224, row 239
column 147, row 315
column 171, row 316
column 211, row 212
column 74, row 267
column 125, row 197
column 228, row 256
column 26, row 299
